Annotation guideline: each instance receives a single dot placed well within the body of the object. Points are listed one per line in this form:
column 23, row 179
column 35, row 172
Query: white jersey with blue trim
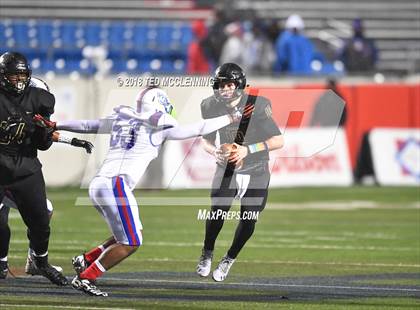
column 136, row 137
column 132, row 146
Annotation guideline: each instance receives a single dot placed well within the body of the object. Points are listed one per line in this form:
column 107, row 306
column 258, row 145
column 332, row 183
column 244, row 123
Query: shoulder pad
column 45, row 100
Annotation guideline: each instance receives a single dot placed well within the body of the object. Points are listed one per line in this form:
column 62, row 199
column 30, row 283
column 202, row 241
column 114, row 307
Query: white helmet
column 153, row 99
column 37, row 82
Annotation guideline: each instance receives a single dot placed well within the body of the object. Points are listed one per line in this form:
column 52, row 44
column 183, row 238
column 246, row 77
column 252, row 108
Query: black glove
column 82, row 143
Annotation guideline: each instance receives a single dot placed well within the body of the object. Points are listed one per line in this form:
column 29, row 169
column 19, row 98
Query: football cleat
column 222, row 270
column 87, row 287
column 204, row 263
column 32, row 269
column 53, row 275
column 79, row 263
column 4, row 268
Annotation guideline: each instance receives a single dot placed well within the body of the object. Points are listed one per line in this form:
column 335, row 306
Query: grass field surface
column 313, row 248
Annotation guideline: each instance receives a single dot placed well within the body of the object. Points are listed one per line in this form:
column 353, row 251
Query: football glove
column 40, row 121
column 82, row 143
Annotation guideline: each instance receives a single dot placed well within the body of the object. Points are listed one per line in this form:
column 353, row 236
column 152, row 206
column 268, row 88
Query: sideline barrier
column 396, row 155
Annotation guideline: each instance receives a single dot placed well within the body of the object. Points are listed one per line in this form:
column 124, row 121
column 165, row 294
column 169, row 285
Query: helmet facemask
column 227, row 90
column 15, row 73
column 18, row 81
column 228, row 73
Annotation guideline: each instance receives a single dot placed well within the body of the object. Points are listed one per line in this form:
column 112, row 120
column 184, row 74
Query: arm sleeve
column 87, row 126
column 189, row 131
column 203, row 127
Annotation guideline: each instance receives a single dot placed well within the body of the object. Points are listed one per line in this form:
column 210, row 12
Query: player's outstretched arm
column 80, row 126
column 204, row 127
column 59, row 138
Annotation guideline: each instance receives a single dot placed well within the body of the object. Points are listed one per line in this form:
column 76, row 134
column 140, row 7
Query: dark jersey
column 260, row 128
column 18, row 150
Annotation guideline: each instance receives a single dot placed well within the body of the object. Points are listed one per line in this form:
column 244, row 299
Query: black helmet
column 12, row 63
column 229, row 72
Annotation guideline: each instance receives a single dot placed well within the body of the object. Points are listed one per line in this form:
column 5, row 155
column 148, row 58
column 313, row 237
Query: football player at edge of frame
column 20, row 169
column 8, row 200
column 137, row 134
column 247, row 158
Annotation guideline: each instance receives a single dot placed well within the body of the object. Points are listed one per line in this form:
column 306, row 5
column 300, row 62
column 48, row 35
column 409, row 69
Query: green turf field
column 333, row 248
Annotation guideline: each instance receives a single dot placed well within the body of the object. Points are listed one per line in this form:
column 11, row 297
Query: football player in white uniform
column 136, row 137
column 8, row 201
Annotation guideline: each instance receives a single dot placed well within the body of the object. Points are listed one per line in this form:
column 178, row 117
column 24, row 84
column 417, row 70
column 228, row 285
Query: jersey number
column 124, row 136
column 16, row 134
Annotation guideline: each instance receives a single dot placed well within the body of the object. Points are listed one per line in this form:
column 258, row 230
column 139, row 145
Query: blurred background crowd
column 176, row 37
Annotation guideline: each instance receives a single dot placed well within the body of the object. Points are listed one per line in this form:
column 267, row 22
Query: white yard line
column 291, row 262
column 318, row 205
column 245, row 261
column 71, row 245
column 369, row 288
column 61, row 307
column 288, row 246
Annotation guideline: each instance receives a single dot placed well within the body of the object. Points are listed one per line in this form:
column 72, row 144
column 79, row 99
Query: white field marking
column 350, row 234
column 300, row 239
column 72, row 246
column 205, row 201
column 61, row 307
column 279, row 240
column 339, row 205
column 289, row 262
column 245, row 261
column 23, row 241
column 272, row 284
column 283, row 246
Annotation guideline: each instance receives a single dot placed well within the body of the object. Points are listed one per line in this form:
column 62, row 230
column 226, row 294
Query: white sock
column 101, row 268
column 41, row 255
column 3, row 259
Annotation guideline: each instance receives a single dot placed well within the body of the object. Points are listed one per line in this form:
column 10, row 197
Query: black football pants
column 222, row 195
column 30, row 197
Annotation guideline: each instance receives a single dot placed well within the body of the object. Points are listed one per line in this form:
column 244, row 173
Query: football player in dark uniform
column 243, row 171
column 8, row 201
column 20, row 169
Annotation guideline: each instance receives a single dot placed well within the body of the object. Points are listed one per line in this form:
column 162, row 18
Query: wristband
column 64, row 139
column 257, row 147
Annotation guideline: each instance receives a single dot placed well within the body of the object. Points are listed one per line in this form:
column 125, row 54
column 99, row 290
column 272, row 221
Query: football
column 229, row 150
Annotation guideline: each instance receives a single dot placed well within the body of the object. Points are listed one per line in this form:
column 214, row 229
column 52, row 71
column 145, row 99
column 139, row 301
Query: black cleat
column 53, row 275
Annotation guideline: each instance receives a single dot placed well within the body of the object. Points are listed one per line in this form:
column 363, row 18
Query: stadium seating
column 57, row 45
column 140, row 30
